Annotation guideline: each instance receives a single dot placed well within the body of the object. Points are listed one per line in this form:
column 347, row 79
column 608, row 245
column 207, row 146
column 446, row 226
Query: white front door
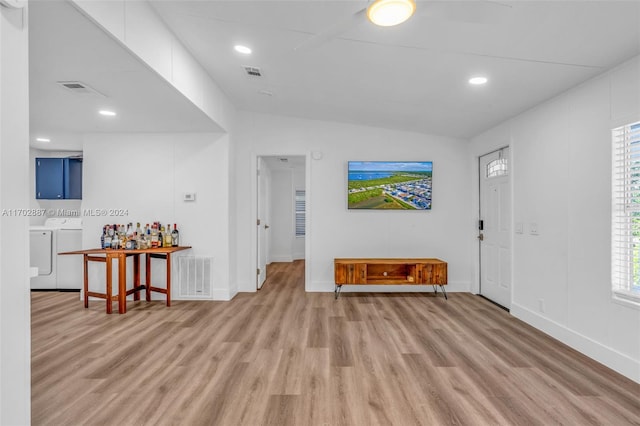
column 261, row 223
column 495, row 227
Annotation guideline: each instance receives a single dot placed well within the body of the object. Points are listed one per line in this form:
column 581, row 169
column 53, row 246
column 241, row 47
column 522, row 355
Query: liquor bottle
column 122, row 235
column 161, row 236
column 147, row 240
column 108, row 237
column 104, row 231
column 154, row 236
column 167, row 237
column 175, row 236
column 138, row 229
column 130, row 231
column 115, row 241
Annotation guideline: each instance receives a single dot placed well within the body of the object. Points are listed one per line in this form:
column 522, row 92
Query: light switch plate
column 190, row 196
column 533, row 228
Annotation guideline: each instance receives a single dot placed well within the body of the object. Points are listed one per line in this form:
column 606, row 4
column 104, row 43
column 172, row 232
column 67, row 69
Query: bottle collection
column 129, row 238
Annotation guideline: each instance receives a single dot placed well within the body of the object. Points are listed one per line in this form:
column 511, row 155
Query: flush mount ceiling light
column 387, row 13
column 43, row 139
column 107, row 113
column 242, row 49
column 477, row 81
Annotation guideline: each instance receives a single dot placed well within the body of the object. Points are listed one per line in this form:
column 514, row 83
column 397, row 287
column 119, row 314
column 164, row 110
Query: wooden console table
column 390, row 271
column 93, row 255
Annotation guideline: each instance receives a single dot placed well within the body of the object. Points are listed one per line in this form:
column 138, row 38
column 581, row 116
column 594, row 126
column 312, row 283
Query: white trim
column 281, row 258
column 613, row 359
column 626, row 298
column 223, row 294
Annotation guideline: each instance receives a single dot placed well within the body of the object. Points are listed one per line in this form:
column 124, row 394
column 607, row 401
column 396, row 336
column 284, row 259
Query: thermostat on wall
column 189, row 196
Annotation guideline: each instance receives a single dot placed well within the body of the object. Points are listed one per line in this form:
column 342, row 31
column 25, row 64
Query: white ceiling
column 64, row 46
column 410, row 77
column 413, row 76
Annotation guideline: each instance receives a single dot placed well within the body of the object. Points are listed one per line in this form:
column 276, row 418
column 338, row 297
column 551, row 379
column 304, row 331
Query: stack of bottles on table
column 127, row 237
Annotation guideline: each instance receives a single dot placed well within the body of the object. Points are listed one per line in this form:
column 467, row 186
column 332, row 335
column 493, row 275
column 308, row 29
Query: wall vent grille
column 195, row 278
column 79, row 88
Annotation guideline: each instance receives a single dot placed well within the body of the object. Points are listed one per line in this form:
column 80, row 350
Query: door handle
column 481, row 237
column 266, row 226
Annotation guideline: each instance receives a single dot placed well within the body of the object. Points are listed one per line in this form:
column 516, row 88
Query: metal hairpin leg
column 444, row 292
column 337, row 291
column 435, row 290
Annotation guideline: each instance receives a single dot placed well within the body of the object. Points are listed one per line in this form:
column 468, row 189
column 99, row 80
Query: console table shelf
column 394, row 271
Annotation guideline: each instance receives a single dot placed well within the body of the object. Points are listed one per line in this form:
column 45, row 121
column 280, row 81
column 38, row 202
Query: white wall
column 54, row 208
column 285, row 246
column 15, row 341
column 336, row 232
column 561, row 154
column 281, row 240
column 147, row 175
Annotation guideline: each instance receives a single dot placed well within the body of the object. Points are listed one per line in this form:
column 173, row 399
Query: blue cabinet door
column 50, row 178
column 73, row 178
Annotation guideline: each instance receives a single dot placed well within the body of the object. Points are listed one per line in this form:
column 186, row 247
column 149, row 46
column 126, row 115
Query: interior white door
column 261, row 223
column 495, row 227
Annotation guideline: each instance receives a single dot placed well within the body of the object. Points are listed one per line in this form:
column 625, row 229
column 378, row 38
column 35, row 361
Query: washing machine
column 56, row 272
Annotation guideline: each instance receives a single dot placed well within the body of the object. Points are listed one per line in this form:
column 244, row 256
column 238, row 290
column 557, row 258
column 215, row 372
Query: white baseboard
column 329, row 286
column 223, row 294
column 613, row 359
column 281, row 258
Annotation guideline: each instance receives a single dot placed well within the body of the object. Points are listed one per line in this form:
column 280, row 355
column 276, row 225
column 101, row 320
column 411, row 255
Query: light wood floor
column 286, row 357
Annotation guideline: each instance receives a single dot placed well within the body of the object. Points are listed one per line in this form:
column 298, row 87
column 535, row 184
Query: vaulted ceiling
column 321, row 61
column 324, row 60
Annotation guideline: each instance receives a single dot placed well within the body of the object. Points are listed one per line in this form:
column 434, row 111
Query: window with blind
column 300, row 213
column 625, row 249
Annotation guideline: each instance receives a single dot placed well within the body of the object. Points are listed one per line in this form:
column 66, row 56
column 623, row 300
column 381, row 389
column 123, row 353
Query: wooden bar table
column 95, row 255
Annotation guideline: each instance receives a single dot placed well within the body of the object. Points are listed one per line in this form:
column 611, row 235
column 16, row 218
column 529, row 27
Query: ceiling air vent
column 79, row 88
column 253, row 71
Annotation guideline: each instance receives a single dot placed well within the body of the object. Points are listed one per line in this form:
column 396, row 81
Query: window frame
column 625, row 207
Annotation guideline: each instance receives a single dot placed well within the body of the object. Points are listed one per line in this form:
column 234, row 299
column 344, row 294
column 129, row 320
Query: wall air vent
column 79, row 88
column 195, row 278
column 253, row 71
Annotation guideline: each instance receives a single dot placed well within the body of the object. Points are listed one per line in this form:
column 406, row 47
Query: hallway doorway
column 281, row 212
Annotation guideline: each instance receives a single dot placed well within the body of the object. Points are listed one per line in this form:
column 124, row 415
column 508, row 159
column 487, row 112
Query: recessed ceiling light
column 388, row 13
column 43, row 139
column 107, row 113
column 478, row 80
column 242, row 49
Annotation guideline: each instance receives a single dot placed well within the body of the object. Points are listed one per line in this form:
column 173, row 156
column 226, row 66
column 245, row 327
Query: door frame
column 254, row 210
column 263, row 187
column 476, row 155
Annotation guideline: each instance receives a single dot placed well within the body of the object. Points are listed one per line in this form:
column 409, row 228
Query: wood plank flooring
column 285, row 357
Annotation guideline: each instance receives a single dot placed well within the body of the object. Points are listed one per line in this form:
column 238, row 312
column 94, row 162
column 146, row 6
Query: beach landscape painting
column 390, row 185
